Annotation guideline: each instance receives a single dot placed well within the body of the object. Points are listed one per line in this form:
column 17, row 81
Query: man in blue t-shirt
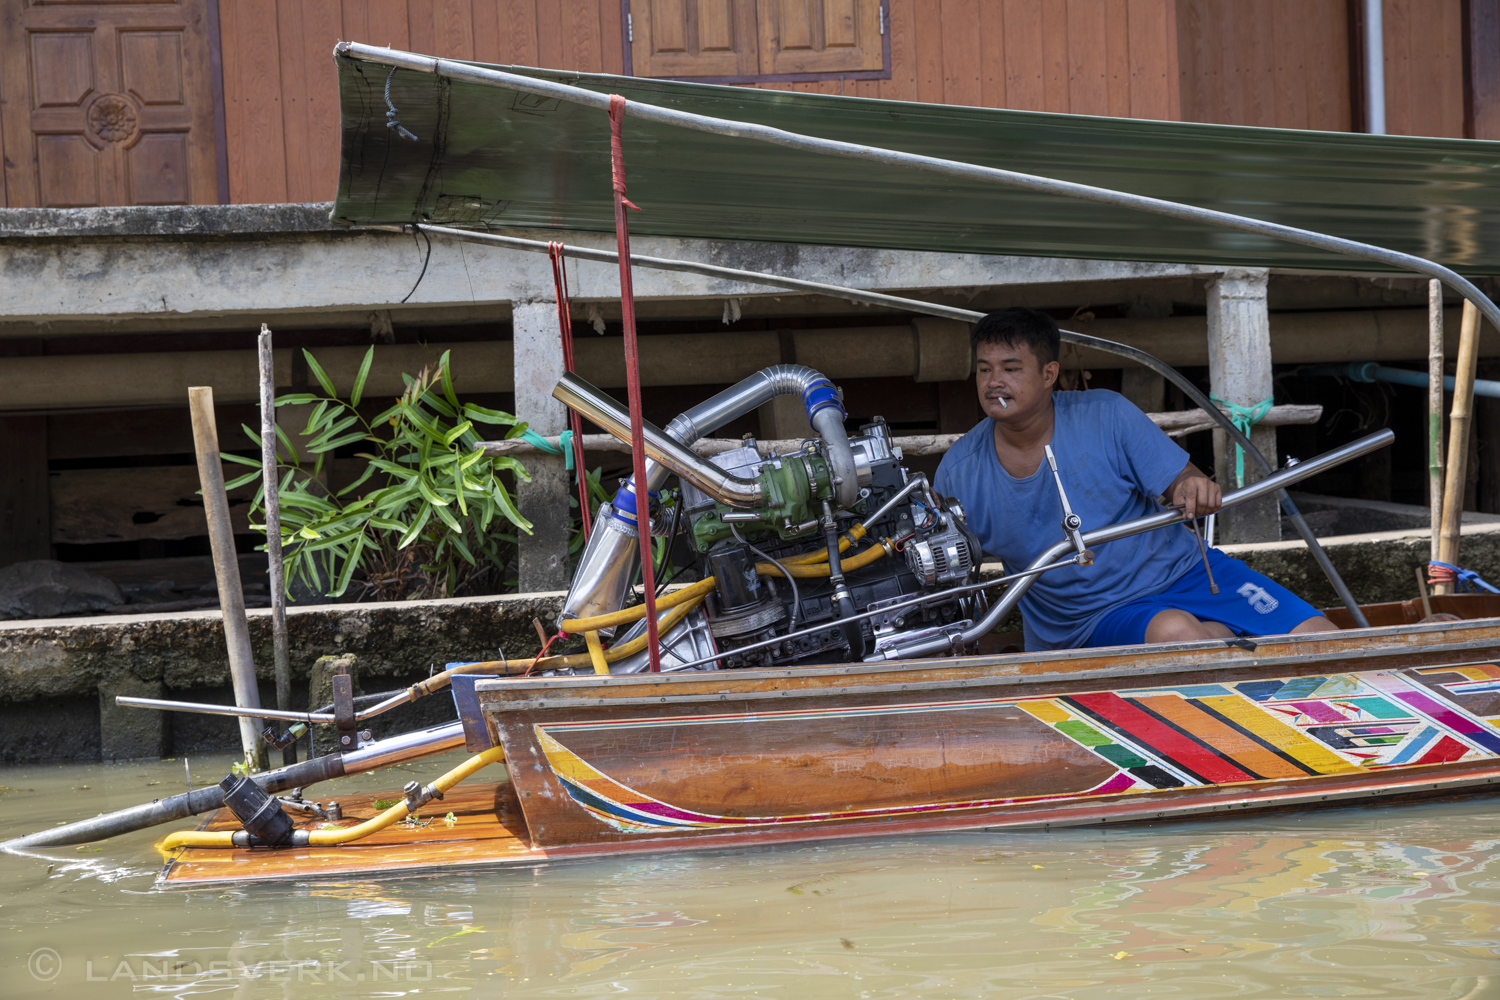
column 1116, row 466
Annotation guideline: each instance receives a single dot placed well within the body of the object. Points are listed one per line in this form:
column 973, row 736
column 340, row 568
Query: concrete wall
column 58, row 677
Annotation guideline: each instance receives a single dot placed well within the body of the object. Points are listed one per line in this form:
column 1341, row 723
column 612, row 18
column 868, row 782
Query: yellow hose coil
column 664, row 624
column 332, row 838
column 806, row 570
column 512, row 667
column 672, row 600
column 851, row 536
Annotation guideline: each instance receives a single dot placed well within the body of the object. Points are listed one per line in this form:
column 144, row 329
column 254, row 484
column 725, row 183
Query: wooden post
column 1458, row 439
column 270, row 476
column 1435, row 408
column 226, row 569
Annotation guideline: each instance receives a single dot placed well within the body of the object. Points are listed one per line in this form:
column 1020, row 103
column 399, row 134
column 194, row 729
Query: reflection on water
column 1389, row 901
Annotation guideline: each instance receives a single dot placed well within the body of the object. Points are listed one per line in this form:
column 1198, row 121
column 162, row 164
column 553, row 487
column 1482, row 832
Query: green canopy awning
column 487, row 157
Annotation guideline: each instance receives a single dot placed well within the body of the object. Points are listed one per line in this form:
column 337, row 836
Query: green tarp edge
column 490, row 158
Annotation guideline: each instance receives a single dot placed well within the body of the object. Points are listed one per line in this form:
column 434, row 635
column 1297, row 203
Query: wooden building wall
column 1293, row 64
column 1100, row 57
column 1270, row 63
column 1424, row 67
column 1281, row 63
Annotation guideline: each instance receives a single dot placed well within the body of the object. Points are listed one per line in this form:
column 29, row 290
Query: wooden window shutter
column 819, row 36
column 693, row 37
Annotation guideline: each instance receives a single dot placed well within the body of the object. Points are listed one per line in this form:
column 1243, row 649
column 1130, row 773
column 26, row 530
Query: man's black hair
column 1019, row 326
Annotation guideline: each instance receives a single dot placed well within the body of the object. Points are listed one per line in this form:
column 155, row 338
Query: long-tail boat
column 625, row 764
column 874, row 700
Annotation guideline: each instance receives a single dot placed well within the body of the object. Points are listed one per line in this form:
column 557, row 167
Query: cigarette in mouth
column 1003, row 404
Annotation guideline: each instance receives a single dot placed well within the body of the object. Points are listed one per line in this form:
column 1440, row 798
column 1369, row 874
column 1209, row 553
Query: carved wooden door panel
column 819, row 36
column 693, row 37
column 106, row 103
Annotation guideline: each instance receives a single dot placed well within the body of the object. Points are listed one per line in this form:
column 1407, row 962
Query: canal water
column 1384, row 901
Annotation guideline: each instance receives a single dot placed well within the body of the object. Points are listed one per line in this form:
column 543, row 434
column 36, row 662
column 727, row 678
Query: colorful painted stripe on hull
column 1155, row 738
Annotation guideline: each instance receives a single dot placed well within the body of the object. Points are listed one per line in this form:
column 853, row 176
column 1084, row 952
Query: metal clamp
column 1072, row 524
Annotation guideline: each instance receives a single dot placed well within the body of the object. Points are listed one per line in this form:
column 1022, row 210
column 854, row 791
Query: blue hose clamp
column 624, row 504
column 820, row 394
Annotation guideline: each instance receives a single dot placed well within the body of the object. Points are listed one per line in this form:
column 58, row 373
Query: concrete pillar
column 320, row 693
column 128, row 733
column 1239, row 369
column 1144, row 388
column 544, row 500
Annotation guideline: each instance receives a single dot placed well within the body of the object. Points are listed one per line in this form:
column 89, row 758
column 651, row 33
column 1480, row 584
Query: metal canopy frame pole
column 948, row 312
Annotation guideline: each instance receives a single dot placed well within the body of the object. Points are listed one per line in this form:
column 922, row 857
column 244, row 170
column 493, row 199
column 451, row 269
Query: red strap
column 565, row 327
column 616, row 151
column 633, row 379
column 1440, row 574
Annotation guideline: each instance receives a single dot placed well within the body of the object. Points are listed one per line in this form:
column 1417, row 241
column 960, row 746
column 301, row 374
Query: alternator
column 941, row 558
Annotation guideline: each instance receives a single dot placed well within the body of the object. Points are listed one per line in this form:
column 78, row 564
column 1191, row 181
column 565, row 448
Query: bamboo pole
column 226, row 569
column 269, row 477
column 1458, row 439
column 1435, row 409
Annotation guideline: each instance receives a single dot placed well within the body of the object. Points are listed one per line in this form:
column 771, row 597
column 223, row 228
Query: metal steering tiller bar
column 995, row 175
column 913, row 602
column 947, row 312
column 998, row 611
column 202, row 708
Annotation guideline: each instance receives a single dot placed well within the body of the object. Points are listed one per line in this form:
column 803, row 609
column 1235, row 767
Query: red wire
column 543, row 652
column 633, row 375
column 565, row 327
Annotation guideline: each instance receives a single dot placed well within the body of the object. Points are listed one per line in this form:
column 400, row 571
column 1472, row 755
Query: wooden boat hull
column 656, row 763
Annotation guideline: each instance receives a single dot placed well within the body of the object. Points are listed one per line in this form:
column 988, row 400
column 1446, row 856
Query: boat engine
column 762, row 527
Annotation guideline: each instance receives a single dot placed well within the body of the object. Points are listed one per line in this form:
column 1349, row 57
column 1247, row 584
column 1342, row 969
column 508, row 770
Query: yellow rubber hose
column 438, row 682
column 575, row 625
column 804, row 570
column 514, row 667
column 851, row 536
column 596, row 653
column 195, row 838
column 331, row 838
column 397, row 812
column 664, row 624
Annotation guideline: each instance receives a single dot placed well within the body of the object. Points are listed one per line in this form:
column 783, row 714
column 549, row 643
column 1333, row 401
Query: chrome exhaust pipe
column 593, row 403
column 610, row 560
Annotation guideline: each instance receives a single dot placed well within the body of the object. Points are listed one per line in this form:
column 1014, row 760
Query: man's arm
column 1195, row 493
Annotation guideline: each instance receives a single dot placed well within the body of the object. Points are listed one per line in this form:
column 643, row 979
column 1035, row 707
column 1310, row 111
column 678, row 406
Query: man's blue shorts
column 1247, row 604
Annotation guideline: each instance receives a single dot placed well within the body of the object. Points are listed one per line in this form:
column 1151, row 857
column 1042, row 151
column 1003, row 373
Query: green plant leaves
column 359, row 380
column 419, row 516
column 484, row 415
column 320, row 374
